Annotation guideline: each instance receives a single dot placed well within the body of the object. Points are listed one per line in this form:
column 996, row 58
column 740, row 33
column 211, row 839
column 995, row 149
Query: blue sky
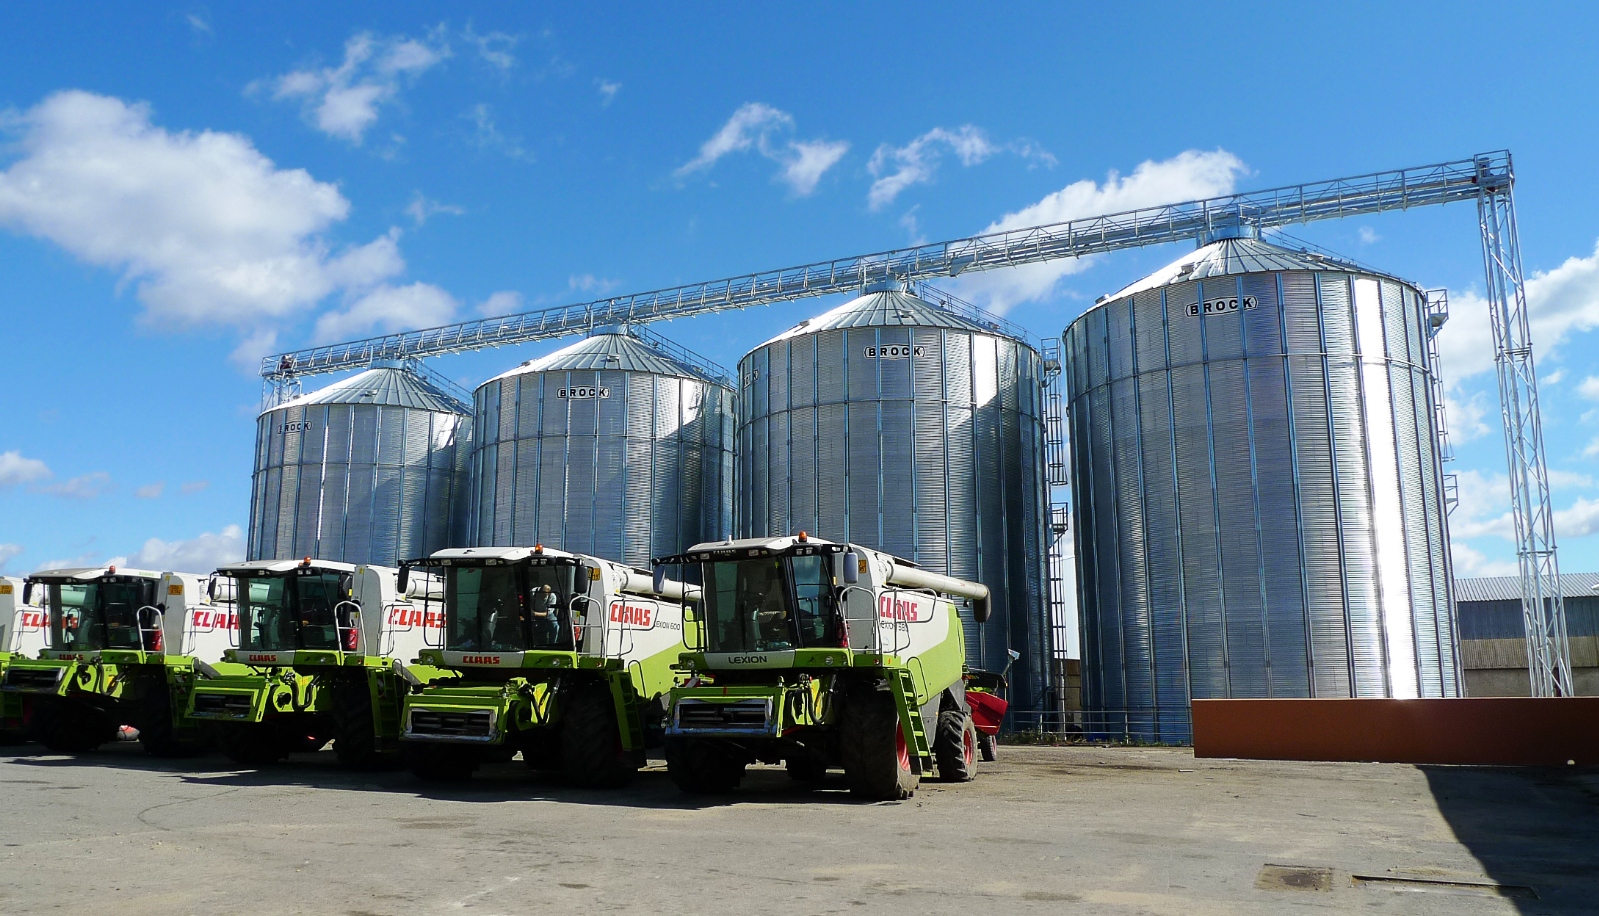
column 185, row 189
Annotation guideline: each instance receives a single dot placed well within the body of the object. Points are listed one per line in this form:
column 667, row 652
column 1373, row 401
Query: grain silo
column 914, row 428
column 619, row 446
column 1256, row 488
column 366, row 470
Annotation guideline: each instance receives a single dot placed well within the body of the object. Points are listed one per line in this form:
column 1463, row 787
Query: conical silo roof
column 614, row 350
column 384, row 386
column 886, row 309
column 1226, row 257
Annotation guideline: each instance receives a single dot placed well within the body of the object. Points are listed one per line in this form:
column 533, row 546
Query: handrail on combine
column 355, row 628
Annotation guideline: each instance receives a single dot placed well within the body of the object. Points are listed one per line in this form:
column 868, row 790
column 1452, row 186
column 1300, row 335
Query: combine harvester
column 24, row 633
column 823, row 655
column 322, row 655
column 564, row 657
column 125, row 647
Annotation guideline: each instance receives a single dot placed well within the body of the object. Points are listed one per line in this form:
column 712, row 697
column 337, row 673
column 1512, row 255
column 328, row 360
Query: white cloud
column 1189, row 175
column 16, row 470
column 1484, row 507
column 151, row 490
column 198, row 23
column 504, row 302
column 193, row 486
column 1471, row 563
column 897, row 168
column 420, row 208
column 1554, row 377
column 608, row 91
column 1369, row 236
column 343, row 101
column 201, row 555
column 487, row 135
column 493, row 48
column 1589, row 388
column 1592, row 449
column 387, row 309
column 80, row 561
column 588, row 283
column 1560, row 302
column 8, row 552
column 1580, row 520
column 84, row 486
column 1466, row 414
column 801, row 163
column 1569, row 480
column 206, row 228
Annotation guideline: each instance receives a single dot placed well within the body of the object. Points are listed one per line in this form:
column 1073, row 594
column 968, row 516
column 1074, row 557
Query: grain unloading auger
column 324, row 651
column 125, row 646
column 820, row 655
column 562, row 657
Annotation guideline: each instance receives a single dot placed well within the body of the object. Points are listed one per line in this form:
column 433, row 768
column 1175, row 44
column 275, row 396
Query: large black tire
column 253, row 744
column 988, row 746
column 805, row 768
column 876, row 758
column 68, row 728
column 541, row 750
column 441, row 762
column 354, row 733
column 592, row 755
column 701, row 768
column 955, row 746
column 154, row 717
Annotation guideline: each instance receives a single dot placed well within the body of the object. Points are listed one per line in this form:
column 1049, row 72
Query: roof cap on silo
column 894, row 307
column 1243, row 255
column 615, row 347
column 387, row 384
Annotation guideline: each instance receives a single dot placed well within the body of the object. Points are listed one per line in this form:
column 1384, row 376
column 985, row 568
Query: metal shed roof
column 1238, row 256
column 1508, row 588
column 610, row 350
column 384, row 386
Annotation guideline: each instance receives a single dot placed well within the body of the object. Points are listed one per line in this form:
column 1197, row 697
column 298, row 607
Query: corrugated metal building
column 1493, row 634
column 619, row 445
column 907, row 427
column 366, row 470
column 1256, row 491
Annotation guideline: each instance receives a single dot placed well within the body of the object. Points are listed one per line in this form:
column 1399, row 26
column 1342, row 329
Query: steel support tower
column 1487, row 179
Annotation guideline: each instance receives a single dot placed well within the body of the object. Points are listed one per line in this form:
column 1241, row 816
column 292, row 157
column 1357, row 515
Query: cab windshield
column 301, row 610
column 508, row 608
column 769, row 604
column 104, row 615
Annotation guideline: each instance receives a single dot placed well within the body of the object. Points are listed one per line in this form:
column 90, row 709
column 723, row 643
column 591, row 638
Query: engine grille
column 47, row 680
column 223, row 705
column 742, row 716
column 451, row 725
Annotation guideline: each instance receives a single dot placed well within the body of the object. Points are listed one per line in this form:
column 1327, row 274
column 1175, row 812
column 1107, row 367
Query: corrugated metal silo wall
column 1257, row 497
column 645, row 471
column 936, row 457
column 356, row 483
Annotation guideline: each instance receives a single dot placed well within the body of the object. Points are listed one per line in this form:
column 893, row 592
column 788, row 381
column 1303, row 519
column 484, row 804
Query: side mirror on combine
column 659, row 582
column 27, row 593
column 852, row 568
column 404, row 579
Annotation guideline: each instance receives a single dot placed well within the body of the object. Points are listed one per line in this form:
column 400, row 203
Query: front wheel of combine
column 157, row 732
column 65, row 728
column 877, row 760
column 701, row 768
column 955, row 746
column 354, row 734
column 441, row 762
column 253, row 744
column 592, row 755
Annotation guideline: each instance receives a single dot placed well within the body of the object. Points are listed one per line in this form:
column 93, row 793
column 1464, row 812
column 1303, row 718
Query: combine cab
column 321, row 655
column 824, row 655
column 24, row 633
column 563, row 657
column 125, row 647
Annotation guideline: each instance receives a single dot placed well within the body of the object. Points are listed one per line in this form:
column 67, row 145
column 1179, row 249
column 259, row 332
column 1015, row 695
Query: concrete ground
column 1044, row 830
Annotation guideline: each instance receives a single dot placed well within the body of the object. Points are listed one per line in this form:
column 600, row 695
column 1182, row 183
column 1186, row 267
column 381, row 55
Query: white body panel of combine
column 190, row 623
column 887, row 618
column 394, row 625
column 24, row 628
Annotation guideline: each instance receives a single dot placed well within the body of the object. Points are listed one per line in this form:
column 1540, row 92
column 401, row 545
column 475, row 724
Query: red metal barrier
column 1500, row 731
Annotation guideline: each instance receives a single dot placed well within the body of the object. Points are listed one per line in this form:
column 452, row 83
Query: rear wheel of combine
column 701, row 768
column 955, row 746
column 592, row 755
column 877, row 760
column 354, row 735
column 441, row 762
column 253, row 744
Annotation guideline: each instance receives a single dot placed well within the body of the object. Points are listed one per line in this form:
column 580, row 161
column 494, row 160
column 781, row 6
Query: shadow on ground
column 496, row 782
column 1534, row 827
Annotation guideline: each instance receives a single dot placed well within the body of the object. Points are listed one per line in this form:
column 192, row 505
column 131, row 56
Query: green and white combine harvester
column 819, row 655
column 24, row 633
column 323, row 652
column 124, row 648
column 562, row 657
